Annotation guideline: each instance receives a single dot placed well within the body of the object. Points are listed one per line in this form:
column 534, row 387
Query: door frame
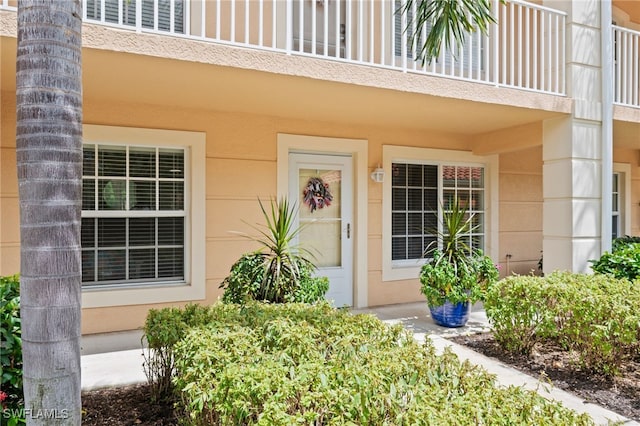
column 358, row 149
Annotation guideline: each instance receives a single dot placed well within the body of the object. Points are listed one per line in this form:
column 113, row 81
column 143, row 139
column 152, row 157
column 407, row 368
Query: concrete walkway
column 124, row 366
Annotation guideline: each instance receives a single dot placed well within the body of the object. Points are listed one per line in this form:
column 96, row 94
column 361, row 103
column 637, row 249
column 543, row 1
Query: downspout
column 607, row 123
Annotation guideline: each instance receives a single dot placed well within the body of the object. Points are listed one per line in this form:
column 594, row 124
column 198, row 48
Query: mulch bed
column 551, row 364
column 132, row 405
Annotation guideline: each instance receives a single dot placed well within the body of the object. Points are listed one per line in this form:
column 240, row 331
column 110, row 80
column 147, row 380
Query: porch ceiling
column 122, row 77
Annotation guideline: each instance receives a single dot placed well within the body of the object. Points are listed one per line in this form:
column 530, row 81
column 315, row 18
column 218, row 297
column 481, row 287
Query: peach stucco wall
column 240, row 167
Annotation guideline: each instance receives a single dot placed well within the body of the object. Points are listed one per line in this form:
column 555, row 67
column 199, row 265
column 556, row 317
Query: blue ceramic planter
column 451, row 315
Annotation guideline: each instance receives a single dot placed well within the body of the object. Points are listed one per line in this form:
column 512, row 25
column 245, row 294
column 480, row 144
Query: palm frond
column 450, row 20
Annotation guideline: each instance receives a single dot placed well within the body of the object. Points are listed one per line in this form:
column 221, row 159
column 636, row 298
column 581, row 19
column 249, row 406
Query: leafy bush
column 10, row 350
column 280, row 271
column 594, row 315
column 622, row 262
column 246, row 278
column 311, row 364
column 162, row 330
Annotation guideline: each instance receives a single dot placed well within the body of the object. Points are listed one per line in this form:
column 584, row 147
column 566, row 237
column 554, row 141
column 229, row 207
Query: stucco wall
column 520, row 210
column 241, row 166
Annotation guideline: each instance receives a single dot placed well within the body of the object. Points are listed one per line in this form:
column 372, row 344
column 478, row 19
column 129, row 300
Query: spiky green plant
column 283, row 261
column 457, row 272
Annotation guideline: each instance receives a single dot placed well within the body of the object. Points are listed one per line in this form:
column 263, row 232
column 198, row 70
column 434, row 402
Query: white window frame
column 623, row 170
column 403, row 270
column 193, row 287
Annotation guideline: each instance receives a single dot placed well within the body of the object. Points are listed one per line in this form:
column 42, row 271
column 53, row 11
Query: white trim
column 624, row 169
column 358, row 148
column 195, row 147
column 392, row 153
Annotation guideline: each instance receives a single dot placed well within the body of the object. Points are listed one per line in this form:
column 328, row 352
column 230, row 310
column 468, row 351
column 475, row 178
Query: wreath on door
column 317, row 194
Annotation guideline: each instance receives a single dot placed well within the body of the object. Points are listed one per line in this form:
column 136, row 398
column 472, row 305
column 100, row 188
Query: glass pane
column 399, row 224
column 614, row 202
column 477, row 221
column 414, row 175
column 111, row 160
column 88, row 160
column 430, row 223
column 112, row 195
column 88, row 265
column 448, row 176
column 430, row 199
column 171, row 163
column 171, row 263
column 321, row 214
column 88, row 232
column 142, row 264
column 614, row 182
column 88, row 194
column 414, row 226
column 477, row 200
column 142, row 162
column 399, row 174
column 142, row 231
column 477, row 177
column 398, row 199
column 398, row 248
column 111, row 232
column 171, row 231
column 449, row 197
column 415, row 199
column 414, row 247
column 431, row 176
column 172, row 195
column 615, row 233
column 142, row 195
column 111, row 265
column 322, row 239
column 464, row 177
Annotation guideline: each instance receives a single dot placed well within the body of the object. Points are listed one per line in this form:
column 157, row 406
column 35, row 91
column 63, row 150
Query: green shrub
column 311, row 364
column 280, row 271
column 594, row 315
column 11, row 398
column 246, row 278
column 162, row 330
column 622, row 262
column 517, row 308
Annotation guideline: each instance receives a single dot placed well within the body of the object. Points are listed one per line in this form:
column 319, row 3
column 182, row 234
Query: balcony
column 524, row 50
column 626, row 64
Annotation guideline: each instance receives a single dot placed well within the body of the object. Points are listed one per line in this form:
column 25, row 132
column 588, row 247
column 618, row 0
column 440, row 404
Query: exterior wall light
column 378, row 175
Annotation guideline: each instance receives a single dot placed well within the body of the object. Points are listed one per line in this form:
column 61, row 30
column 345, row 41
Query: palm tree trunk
column 49, row 157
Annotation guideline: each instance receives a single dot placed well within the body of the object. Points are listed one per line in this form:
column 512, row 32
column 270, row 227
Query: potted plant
column 455, row 276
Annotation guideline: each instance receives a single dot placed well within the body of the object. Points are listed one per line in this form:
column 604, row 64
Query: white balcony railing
column 626, row 72
column 525, row 49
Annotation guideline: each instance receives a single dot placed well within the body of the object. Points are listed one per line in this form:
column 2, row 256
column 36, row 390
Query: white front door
column 322, row 188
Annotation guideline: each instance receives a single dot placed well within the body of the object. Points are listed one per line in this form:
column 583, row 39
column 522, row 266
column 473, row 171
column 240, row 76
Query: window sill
column 141, row 295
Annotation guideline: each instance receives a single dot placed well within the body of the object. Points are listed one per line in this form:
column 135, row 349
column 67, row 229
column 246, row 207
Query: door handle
column 348, row 230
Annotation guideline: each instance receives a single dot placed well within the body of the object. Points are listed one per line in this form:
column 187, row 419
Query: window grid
column 423, row 191
column 98, row 250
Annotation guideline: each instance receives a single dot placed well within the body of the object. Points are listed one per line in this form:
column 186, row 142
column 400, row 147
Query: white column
column 573, row 149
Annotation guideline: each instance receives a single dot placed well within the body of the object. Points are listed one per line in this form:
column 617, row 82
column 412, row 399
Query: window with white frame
column 133, row 214
column 616, row 225
column 124, row 12
column 420, row 193
column 421, row 183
